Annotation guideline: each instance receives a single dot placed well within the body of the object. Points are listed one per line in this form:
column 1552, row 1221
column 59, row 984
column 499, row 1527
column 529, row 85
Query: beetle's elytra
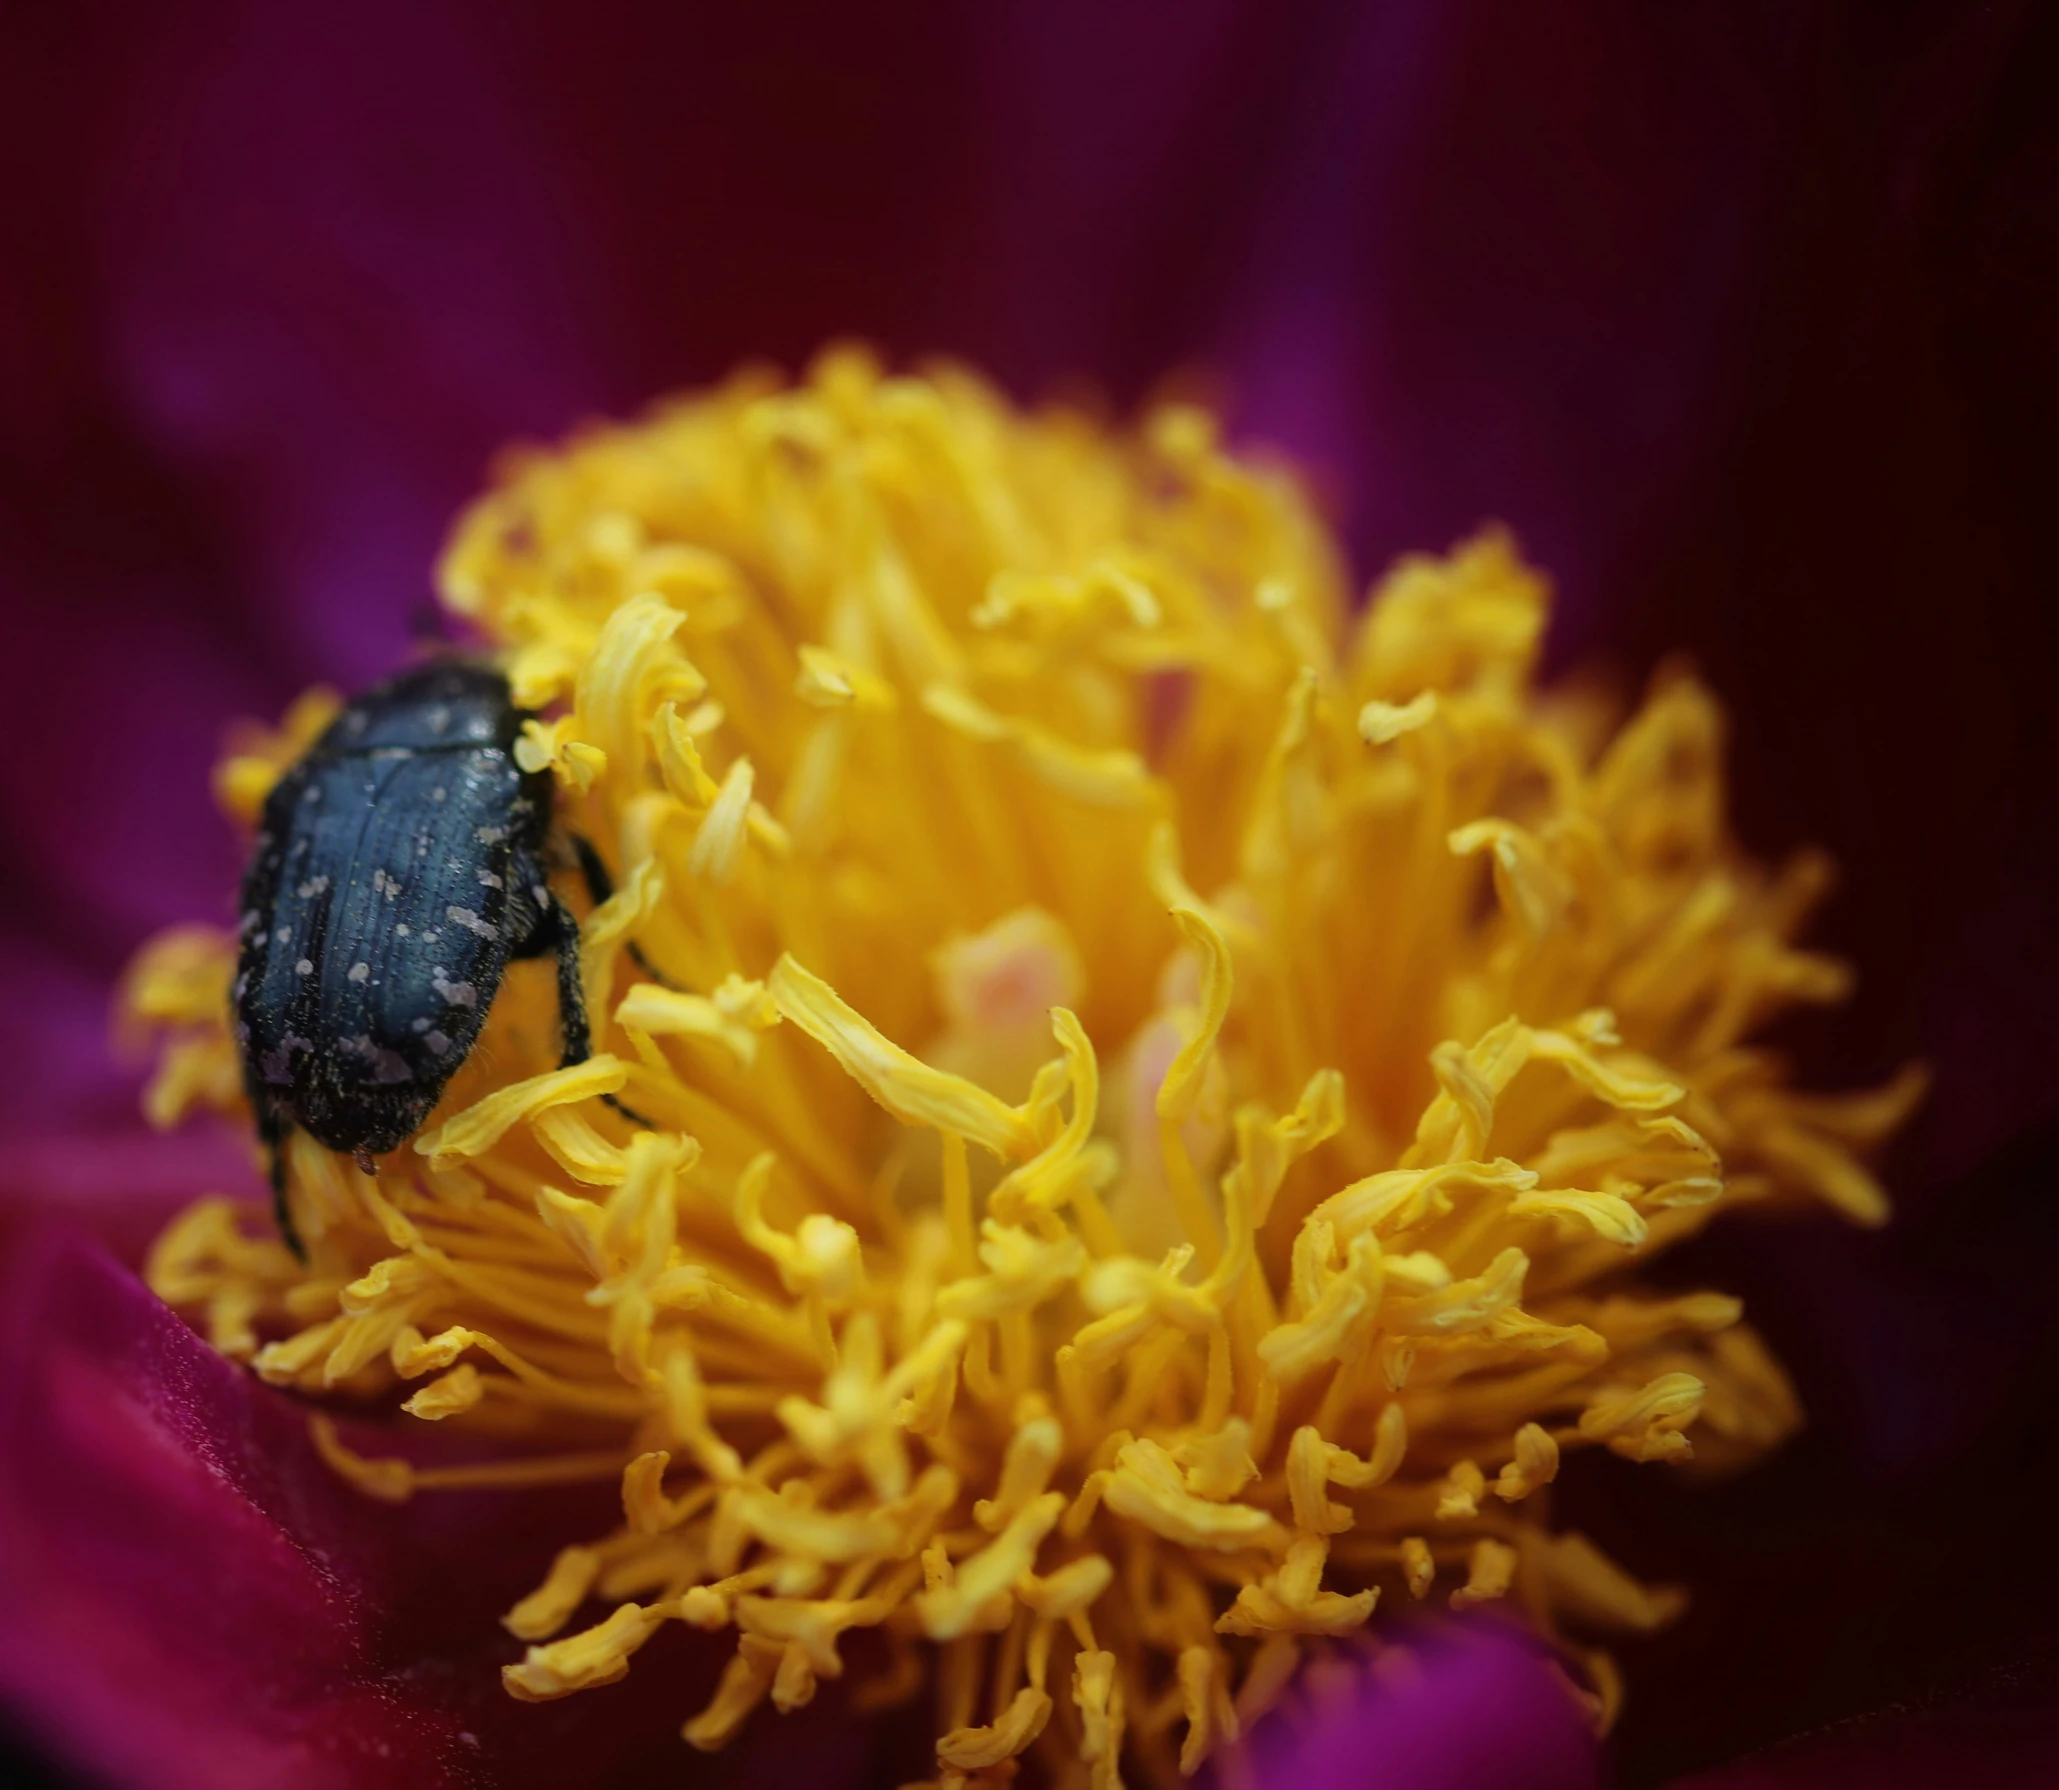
column 397, row 869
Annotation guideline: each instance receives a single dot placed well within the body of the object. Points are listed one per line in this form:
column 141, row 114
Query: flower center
column 1112, row 1297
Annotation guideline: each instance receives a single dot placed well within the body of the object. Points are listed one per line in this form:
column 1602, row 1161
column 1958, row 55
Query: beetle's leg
column 563, row 934
column 599, row 886
column 272, row 1130
column 572, row 1001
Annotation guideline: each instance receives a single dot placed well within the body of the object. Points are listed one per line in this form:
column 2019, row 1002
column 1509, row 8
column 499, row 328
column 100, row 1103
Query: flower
column 1742, row 320
column 1156, row 1088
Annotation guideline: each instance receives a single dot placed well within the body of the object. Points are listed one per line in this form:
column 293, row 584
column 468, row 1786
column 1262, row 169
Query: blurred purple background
column 1742, row 315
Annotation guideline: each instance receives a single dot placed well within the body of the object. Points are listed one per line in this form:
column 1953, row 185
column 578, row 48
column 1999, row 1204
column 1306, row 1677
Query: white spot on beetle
column 437, row 1042
column 359, row 972
column 540, row 895
column 401, row 931
column 386, row 882
column 418, row 1026
column 277, row 1066
column 438, row 719
column 471, row 922
column 439, row 794
column 489, row 835
column 388, row 1066
column 285, row 936
column 315, row 885
column 489, row 880
column 305, row 967
column 458, row 994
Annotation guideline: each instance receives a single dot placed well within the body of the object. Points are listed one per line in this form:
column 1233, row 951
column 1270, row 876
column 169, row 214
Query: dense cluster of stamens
column 1160, row 1086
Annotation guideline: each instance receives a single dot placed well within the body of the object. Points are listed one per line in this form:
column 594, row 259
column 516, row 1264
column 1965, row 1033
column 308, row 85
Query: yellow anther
column 1291, row 1600
column 1401, row 1199
column 908, row 1088
column 599, row 1655
column 980, row 1749
column 1645, row 1423
column 1531, row 887
column 1491, row 1571
column 1205, row 1702
column 1342, row 1308
column 719, row 843
column 634, row 668
column 1464, row 1305
column 820, row 1257
column 1147, row 1487
column 1536, row 1464
column 549, row 1607
column 679, row 758
column 732, row 1018
column 1417, row 1566
column 1382, row 723
column 950, row 1610
column 742, row 1687
column 1595, row 1590
column 555, row 746
column 702, row 1606
column 1267, row 1148
column 1608, row 1215
column 1026, row 1271
column 826, row 681
column 1219, row 1465
column 479, row 1127
column 1460, row 1494
column 455, row 1393
column 1098, row 1698
column 1025, row 1471
column 1066, row 1592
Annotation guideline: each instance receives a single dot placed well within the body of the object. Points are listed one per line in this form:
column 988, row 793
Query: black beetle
column 398, row 867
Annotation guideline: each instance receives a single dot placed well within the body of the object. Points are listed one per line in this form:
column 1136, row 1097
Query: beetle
column 398, row 868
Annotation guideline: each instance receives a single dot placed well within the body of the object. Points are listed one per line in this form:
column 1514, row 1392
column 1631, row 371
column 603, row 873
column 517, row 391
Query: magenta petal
column 183, row 1606
column 1488, row 1712
column 192, row 1598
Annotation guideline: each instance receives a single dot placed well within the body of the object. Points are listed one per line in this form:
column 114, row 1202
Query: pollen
column 1159, row 1086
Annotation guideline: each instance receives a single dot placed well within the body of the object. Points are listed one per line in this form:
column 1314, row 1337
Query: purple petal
column 195, row 1599
column 162, row 1624
column 1485, row 1711
column 1495, row 277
